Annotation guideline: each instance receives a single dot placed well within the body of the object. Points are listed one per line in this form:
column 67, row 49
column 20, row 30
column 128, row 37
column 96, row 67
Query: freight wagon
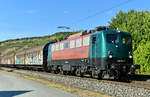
column 31, row 56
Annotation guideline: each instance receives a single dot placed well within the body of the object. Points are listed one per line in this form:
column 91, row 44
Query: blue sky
column 30, row 18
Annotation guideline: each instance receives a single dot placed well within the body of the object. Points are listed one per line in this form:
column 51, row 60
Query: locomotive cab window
column 111, row 38
column 126, row 39
column 94, row 40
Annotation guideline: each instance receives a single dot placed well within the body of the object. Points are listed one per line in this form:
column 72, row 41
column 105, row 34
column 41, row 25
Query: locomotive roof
column 111, row 32
column 71, row 38
column 98, row 32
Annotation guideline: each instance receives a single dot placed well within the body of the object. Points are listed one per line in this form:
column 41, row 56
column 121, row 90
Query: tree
column 138, row 24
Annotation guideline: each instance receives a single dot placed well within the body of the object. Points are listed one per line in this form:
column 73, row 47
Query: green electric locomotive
column 101, row 53
column 111, row 53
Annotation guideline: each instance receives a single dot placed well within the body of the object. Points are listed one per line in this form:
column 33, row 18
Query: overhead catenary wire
column 100, row 12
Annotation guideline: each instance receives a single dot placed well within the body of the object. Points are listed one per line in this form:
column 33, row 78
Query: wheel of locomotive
column 72, row 72
column 56, row 71
column 117, row 76
column 65, row 72
column 61, row 71
column 93, row 74
column 101, row 75
column 78, row 72
column 49, row 69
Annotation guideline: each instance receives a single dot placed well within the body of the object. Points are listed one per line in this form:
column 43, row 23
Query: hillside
column 11, row 46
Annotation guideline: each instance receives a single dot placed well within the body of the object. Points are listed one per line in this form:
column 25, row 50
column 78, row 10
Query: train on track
column 100, row 52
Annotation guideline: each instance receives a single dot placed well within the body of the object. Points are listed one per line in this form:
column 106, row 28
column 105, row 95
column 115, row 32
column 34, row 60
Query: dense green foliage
column 138, row 23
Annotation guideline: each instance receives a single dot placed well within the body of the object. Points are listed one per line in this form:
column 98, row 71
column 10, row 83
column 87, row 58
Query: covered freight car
column 30, row 56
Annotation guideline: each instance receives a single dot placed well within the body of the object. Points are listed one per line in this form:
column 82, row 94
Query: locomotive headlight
column 132, row 66
column 110, row 56
column 130, row 55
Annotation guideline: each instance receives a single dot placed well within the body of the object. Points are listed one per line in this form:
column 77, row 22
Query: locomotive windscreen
column 126, row 39
column 111, row 38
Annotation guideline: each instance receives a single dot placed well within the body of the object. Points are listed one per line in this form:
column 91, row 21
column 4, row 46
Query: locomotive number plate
column 121, row 60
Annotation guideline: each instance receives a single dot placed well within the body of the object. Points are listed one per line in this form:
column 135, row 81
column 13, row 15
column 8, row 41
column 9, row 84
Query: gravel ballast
column 107, row 88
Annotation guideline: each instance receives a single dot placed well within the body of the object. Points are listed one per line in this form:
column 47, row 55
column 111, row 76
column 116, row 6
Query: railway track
column 34, row 67
column 139, row 81
column 131, row 83
column 133, row 88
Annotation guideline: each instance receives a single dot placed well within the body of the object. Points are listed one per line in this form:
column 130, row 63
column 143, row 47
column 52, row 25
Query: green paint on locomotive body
column 101, row 47
column 97, row 49
column 120, row 50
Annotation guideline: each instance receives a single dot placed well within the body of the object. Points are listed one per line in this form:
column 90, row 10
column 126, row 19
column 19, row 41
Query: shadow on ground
column 12, row 93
